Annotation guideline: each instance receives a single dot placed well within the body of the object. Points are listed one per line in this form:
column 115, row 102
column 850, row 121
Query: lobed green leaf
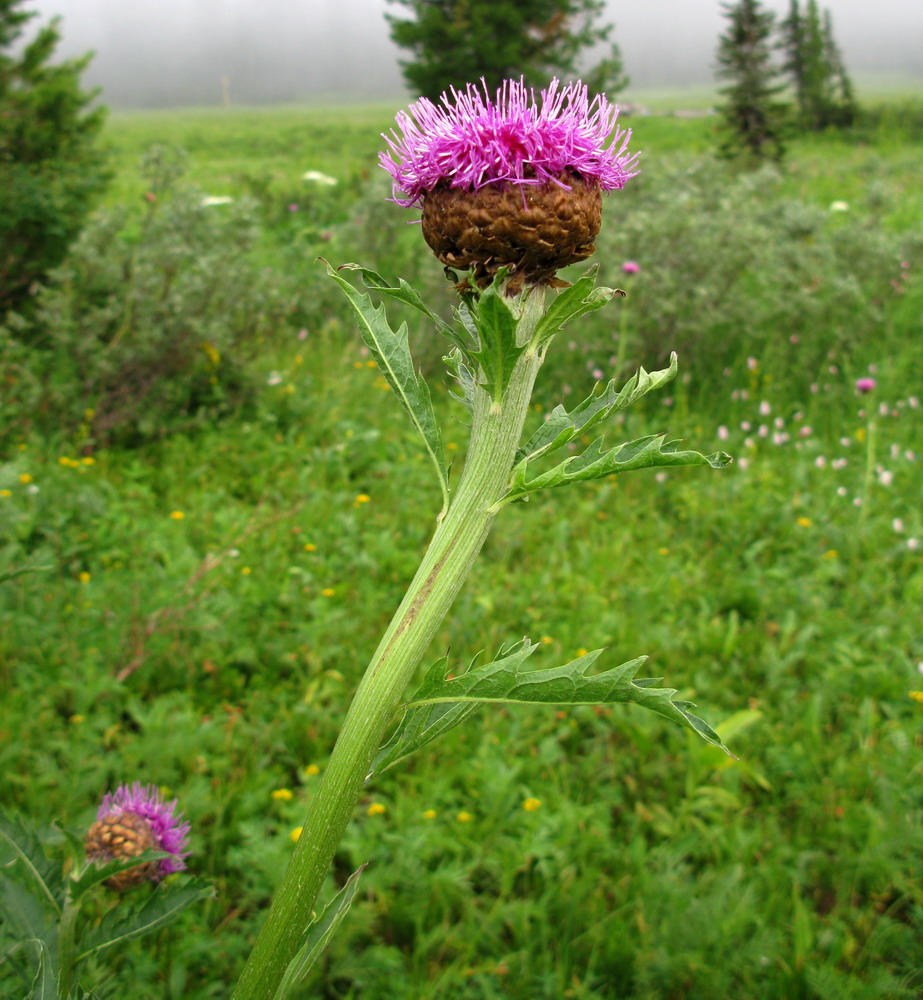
column 581, row 297
column 91, row 875
column 441, row 704
column 497, row 351
column 391, row 352
column 45, row 983
column 406, row 293
column 561, row 427
column 318, row 934
column 128, row 920
column 598, row 462
column 19, row 844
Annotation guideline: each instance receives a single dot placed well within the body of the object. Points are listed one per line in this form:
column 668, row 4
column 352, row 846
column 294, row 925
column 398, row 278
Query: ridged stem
column 495, row 434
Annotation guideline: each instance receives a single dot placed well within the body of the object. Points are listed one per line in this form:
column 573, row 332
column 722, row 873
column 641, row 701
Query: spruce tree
column 753, row 120
column 456, row 42
column 844, row 108
column 51, row 168
column 823, row 90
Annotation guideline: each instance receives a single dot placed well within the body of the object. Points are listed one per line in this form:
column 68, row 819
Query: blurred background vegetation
column 210, row 506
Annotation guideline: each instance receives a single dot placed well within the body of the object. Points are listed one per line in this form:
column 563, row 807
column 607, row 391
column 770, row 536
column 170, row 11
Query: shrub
column 150, row 324
column 51, row 170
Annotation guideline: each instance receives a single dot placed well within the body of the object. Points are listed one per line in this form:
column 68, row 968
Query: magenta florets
column 471, row 141
column 170, row 831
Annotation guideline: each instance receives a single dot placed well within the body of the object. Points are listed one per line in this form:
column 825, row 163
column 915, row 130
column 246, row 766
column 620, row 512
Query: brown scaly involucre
column 123, row 836
column 532, row 229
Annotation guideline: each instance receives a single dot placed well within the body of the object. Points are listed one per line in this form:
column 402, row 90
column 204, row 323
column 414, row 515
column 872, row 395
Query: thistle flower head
column 511, row 182
column 471, row 140
column 864, row 385
column 131, row 820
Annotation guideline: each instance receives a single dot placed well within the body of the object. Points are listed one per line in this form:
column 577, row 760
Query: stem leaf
column 318, row 934
column 406, row 293
column 24, row 914
column 124, row 922
column 497, row 352
column 580, row 298
column 440, row 704
column 20, row 844
column 45, row 983
column 604, row 401
column 93, row 873
column 598, row 462
column 391, row 352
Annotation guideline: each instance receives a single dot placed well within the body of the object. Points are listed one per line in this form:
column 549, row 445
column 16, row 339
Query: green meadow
column 193, row 581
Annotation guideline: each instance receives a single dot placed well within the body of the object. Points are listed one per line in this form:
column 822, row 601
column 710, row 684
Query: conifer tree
column 844, row 109
column 753, row 118
column 456, row 42
column 823, row 90
column 51, row 168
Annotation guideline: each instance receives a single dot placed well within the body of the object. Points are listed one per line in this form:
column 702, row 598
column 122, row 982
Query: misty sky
column 164, row 52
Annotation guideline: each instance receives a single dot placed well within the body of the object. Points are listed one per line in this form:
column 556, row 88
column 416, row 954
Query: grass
column 196, row 612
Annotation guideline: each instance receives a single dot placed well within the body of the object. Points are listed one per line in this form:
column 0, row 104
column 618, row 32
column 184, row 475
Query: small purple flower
column 293, row 207
column 472, row 140
column 631, row 267
column 864, row 385
column 169, row 831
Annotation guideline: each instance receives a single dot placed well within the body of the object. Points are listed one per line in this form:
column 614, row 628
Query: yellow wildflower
column 328, row 591
column 530, row 804
column 295, row 835
column 282, row 795
column 6, row 493
column 75, row 720
column 805, row 522
column 464, row 817
column 25, row 478
column 177, row 515
column 429, row 814
column 362, row 498
column 664, row 551
column 831, row 554
column 88, row 460
column 582, row 652
column 376, row 809
column 917, row 696
column 84, row 577
column 245, row 570
column 310, row 547
column 547, row 640
column 311, row 770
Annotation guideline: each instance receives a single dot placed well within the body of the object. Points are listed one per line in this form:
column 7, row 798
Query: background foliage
column 193, row 606
column 52, row 170
column 455, row 43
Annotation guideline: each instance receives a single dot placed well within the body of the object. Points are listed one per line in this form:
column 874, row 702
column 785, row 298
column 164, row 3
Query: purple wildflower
column 631, row 267
column 864, row 385
column 471, row 141
column 169, row 831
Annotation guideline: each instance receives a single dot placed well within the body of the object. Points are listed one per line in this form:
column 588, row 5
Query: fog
column 152, row 53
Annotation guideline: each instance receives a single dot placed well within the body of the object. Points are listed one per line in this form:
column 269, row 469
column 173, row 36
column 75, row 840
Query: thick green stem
column 495, row 435
column 67, row 949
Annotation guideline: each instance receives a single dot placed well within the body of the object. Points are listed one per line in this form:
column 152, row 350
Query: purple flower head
column 470, row 140
column 864, row 385
column 170, row 832
column 631, row 267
